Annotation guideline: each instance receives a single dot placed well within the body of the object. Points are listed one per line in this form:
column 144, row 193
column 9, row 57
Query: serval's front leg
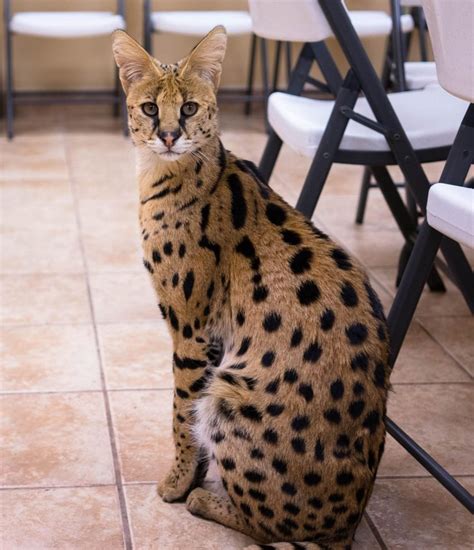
column 192, row 367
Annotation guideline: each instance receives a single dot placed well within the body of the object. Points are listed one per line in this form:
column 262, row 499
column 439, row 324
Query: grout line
column 375, row 531
column 433, row 337
column 427, row 476
column 157, row 322
column 49, row 487
column 80, row 392
column 126, row 530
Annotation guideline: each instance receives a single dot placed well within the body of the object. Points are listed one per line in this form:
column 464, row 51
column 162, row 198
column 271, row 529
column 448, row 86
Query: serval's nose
column 169, row 137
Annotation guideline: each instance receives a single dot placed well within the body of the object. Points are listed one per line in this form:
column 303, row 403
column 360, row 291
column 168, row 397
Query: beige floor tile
column 431, row 304
column 422, row 359
column 420, row 514
column 456, row 335
column 142, row 421
column 439, row 417
column 137, row 356
column 55, row 440
column 49, row 358
column 81, row 519
column 42, row 299
column 37, row 204
column 27, row 250
column 156, row 524
column 123, row 297
column 34, row 158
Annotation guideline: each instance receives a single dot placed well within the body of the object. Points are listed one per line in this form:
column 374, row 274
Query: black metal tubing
column 435, row 469
column 398, row 48
column 147, row 30
column 327, row 65
column 328, row 146
column 251, row 73
column 365, row 186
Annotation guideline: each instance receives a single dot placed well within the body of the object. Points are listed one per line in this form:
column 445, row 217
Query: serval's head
column 171, row 108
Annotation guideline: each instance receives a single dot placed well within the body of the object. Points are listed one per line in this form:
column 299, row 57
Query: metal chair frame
column 12, row 97
column 362, row 77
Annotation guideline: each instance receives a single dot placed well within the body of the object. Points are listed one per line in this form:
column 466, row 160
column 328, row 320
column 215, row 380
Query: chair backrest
column 289, row 20
column 451, row 34
column 411, row 3
column 7, row 8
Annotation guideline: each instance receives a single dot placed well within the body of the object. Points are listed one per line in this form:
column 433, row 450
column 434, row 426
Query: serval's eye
column 189, row 108
column 150, row 109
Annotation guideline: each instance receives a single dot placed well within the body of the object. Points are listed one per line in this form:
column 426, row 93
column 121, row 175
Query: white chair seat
column 430, row 117
column 377, row 23
column 450, row 210
column 70, row 24
column 419, row 74
column 197, row 23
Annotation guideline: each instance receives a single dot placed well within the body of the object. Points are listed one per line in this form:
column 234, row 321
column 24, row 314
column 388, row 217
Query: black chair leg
column 276, row 66
column 9, row 86
column 270, row 155
column 289, row 63
column 363, row 196
column 251, row 74
column 266, row 88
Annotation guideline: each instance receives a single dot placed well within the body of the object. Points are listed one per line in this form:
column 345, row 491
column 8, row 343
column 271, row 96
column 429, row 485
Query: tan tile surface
column 438, row 417
column 54, row 440
column 143, row 425
column 123, row 297
column 136, row 356
column 419, row 514
column 49, row 358
column 76, row 518
column 42, row 299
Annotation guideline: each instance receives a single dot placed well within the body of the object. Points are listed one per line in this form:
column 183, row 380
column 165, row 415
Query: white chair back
column 289, row 20
column 411, row 3
column 451, row 31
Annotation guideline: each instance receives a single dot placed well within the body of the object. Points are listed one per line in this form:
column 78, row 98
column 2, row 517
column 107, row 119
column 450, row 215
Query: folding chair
column 401, row 75
column 450, row 207
column 361, row 130
column 60, row 24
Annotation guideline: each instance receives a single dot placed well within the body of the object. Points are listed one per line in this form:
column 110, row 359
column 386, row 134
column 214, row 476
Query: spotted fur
column 280, row 343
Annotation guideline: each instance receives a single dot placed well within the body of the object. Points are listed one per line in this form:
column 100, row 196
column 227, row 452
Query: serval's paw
column 197, row 502
column 176, row 485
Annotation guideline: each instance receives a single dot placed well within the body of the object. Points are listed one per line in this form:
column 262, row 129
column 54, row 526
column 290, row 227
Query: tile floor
column 86, row 381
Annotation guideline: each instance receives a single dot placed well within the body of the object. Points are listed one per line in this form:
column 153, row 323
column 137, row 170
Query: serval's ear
column 207, row 56
column 132, row 60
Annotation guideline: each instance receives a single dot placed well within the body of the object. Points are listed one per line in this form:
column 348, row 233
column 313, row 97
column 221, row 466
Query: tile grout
column 375, row 531
column 126, row 528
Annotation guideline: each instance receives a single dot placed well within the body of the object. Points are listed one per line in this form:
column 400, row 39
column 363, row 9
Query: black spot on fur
column 188, row 284
column 360, row 361
column 182, row 393
column 349, row 295
column 257, row 495
column 244, row 346
column 301, row 261
column 356, row 334
column 312, row 478
column 268, row 359
column 372, row 420
column 296, row 338
column 238, row 489
column 308, row 293
column 228, row 464
column 148, row 266
column 290, row 376
column 168, row 248
column 265, row 511
column 275, row 213
column 288, row 489
column 238, row 204
column 272, row 322
column 300, row 423
column 327, row 320
column 291, row 237
column 337, row 389
column 173, row 319
column 246, row 248
column 299, row 445
column 246, row 509
column 254, row 476
column 312, row 353
column 260, row 294
column 319, row 451
column 306, row 391
column 205, row 210
column 272, row 387
column 240, row 318
column 333, row 416
column 379, row 375
column 213, row 247
column 182, row 250
column 280, row 466
column 187, row 331
column 356, row 408
column 358, row 388
column 156, row 257
column 344, row 478
column 341, row 259
column 315, row 503
column 256, row 454
column 275, row 409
